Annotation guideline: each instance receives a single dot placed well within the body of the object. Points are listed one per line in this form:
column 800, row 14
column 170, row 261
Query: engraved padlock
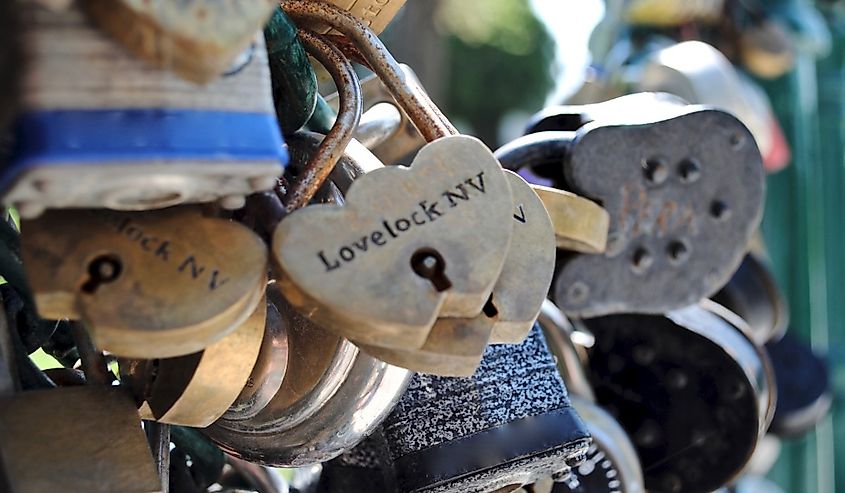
column 480, row 434
column 690, row 388
column 612, row 464
column 419, row 244
column 682, row 211
column 111, row 131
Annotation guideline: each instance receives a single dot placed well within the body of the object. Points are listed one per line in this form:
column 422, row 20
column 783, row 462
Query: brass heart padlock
column 148, row 285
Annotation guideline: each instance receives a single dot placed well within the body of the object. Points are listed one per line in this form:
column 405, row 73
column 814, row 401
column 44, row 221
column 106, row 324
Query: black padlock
column 692, row 390
column 803, row 383
column 682, row 210
column 509, row 424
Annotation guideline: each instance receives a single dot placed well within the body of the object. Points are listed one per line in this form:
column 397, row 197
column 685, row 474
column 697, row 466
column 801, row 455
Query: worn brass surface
column 354, row 269
column 74, row 439
column 454, row 348
column 580, row 224
column 196, row 39
column 376, row 14
column 171, row 281
column 196, row 389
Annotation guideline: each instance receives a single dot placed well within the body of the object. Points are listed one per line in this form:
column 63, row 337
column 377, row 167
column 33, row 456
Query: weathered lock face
column 454, row 346
column 376, row 14
column 691, row 391
column 803, row 384
column 148, row 285
column 474, row 434
column 682, row 211
column 402, row 239
column 112, row 131
column 753, row 294
column 197, row 39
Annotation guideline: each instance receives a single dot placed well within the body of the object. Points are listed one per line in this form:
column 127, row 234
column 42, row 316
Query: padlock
column 476, row 434
column 107, row 130
column 803, row 384
column 196, row 39
column 454, row 347
column 149, row 285
column 612, row 464
column 196, row 389
column 753, row 294
column 682, row 211
column 95, row 443
column 332, row 397
column 766, row 49
column 420, row 246
column 691, row 390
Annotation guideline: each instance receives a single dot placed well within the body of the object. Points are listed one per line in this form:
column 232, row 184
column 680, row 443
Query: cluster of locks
column 269, row 278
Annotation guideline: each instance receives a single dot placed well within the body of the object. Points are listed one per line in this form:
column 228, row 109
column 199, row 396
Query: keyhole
column 490, row 309
column 428, row 264
column 102, row 270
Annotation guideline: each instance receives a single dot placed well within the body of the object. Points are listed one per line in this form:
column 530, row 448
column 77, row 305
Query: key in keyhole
column 428, row 264
column 102, row 270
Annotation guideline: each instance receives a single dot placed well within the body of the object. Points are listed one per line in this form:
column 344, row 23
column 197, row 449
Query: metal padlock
column 477, row 434
column 690, row 388
column 417, row 246
column 612, row 464
column 149, row 285
column 682, row 212
column 95, row 443
column 110, row 131
column 196, row 39
column 332, row 396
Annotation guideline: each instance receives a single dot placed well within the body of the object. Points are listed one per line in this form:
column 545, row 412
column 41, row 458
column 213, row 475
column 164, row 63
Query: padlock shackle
column 558, row 331
column 422, row 112
column 547, row 148
column 324, row 159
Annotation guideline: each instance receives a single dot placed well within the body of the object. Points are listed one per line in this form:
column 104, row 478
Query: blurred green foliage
column 499, row 59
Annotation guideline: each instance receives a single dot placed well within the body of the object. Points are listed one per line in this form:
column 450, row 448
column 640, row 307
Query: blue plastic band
column 131, row 135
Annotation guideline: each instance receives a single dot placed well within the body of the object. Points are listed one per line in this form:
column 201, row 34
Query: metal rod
column 558, row 330
column 158, row 436
column 93, row 362
column 331, row 149
column 415, row 102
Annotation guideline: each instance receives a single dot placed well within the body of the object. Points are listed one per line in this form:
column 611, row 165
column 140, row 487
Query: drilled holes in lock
column 737, row 141
column 641, row 260
column 689, row 170
column 102, row 270
column 429, row 264
column 719, row 210
column 678, row 252
column 655, row 170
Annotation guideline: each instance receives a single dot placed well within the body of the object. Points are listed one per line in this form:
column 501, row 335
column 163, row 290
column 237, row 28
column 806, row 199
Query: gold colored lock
column 85, row 438
column 148, row 285
column 580, row 224
column 196, row 389
column 196, row 39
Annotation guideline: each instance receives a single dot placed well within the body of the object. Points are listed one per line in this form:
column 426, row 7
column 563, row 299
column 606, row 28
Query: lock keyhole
column 102, row 270
column 429, row 264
